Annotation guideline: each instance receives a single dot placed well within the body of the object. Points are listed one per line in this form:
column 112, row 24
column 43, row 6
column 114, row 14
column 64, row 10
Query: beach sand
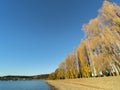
column 96, row 83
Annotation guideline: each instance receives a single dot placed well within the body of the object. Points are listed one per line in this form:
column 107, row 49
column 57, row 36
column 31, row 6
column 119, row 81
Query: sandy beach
column 99, row 83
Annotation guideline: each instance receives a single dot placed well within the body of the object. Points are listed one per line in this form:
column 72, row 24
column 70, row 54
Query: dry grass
column 101, row 83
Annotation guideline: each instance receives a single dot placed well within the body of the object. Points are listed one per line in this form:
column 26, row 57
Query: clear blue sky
column 36, row 35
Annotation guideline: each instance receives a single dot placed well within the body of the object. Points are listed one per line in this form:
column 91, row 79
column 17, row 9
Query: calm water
column 24, row 85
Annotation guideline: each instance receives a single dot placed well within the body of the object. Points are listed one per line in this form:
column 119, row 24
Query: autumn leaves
column 99, row 53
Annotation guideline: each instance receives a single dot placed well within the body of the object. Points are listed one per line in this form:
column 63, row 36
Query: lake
column 24, row 85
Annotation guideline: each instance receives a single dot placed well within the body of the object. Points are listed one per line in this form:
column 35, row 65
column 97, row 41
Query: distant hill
column 35, row 77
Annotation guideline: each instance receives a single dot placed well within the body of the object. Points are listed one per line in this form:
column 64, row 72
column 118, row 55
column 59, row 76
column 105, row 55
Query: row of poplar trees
column 99, row 53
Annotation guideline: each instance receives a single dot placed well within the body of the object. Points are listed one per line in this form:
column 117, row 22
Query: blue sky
column 36, row 35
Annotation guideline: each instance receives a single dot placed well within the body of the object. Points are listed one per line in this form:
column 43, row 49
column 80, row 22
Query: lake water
column 24, row 85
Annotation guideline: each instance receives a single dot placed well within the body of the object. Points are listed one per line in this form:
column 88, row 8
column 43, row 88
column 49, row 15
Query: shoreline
column 51, row 86
column 99, row 83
